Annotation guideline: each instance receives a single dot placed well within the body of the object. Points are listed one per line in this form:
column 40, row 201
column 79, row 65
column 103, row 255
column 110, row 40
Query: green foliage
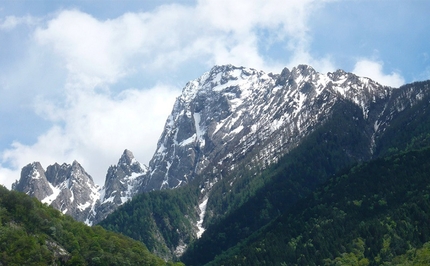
column 160, row 219
column 409, row 130
column 255, row 200
column 244, row 205
column 34, row 234
column 389, row 226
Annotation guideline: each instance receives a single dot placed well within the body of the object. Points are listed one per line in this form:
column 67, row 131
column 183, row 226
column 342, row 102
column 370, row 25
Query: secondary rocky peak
column 122, row 183
column 34, row 171
column 65, row 187
column 303, row 70
column 78, row 170
column 129, row 165
column 283, row 78
column 33, row 181
column 127, row 158
column 57, row 174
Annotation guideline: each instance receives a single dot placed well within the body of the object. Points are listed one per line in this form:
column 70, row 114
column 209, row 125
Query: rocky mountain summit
column 231, row 113
column 230, row 118
column 65, row 187
column 122, row 183
column 71, row 190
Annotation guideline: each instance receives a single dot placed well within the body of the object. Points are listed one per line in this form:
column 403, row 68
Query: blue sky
column 84, row 80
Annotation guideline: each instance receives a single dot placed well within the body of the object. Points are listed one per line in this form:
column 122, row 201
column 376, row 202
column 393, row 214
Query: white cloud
column 239, row 23
column 94, row 52
column 302, row 56
column 374, row 70
column 220, row 32
column 95, row 129
column 93, row 124
column 11, row 22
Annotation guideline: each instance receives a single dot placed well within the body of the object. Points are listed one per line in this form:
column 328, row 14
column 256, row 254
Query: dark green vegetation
column 342, row 141
column 33, row 234
column 338, row 144
column 342, row 197
column 159, row 219
column 365, row 216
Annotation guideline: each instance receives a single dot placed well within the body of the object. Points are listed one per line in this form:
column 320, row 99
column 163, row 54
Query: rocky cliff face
column 71, row 190
column 33, row 181
column 236, row 114
column 230, row 117
column 122, row 183
column 65, row 187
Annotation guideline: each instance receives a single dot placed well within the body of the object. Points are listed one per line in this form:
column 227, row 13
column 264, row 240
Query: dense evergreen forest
column 32, row 233
column 374, row 213
column 341, row 197
column 248, row 211
column 336, row 145
column 325, row 152
column 158, row 219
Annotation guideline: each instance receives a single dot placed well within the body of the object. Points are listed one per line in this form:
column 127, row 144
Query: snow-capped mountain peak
column 228, row 111
column 229, row 118
column 70, row 189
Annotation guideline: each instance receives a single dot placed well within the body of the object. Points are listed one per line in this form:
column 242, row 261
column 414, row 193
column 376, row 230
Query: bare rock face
column 33, row 181
column 65, row 187
column 229, row 118
column 70, row 189
column 235, row 114
column 122, row 183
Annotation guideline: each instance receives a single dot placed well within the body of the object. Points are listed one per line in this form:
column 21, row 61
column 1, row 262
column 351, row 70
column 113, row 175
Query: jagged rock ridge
column 229, row 117
column 122, row 183
column 71, row 190
column 232, row 112
column 65, row 187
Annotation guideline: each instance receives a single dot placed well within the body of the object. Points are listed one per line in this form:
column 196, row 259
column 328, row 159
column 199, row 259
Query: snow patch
column 200, row 131
column 128, row 194
column 72, row 197
column 202, row 207
column 110, row 199
column 84, row 206
column 56, row 191
column 188, row 141
column 180, row 249
column 35, row 175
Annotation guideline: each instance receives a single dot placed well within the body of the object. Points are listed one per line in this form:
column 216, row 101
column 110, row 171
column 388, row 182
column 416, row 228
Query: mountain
column 240, row 139
column 231, row 117
column 375, row 213
column 357, row 128
column 122, row 183
column 344, row 119
column 34, row 234
column 325, row 152
column 65, row 187
column 70, row 189
column 236, row 114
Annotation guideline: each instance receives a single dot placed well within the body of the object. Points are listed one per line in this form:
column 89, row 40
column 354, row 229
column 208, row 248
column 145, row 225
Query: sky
column 85, row 80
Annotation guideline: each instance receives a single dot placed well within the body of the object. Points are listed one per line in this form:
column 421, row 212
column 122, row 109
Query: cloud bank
column 93, row 119
column 374, row 70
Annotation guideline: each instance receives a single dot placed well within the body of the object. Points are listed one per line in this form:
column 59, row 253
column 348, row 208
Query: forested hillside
column 374, row 213
column 262, row 198
column 248, row 200
column 159, row 219
column 340, row 142
column 33, row 234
